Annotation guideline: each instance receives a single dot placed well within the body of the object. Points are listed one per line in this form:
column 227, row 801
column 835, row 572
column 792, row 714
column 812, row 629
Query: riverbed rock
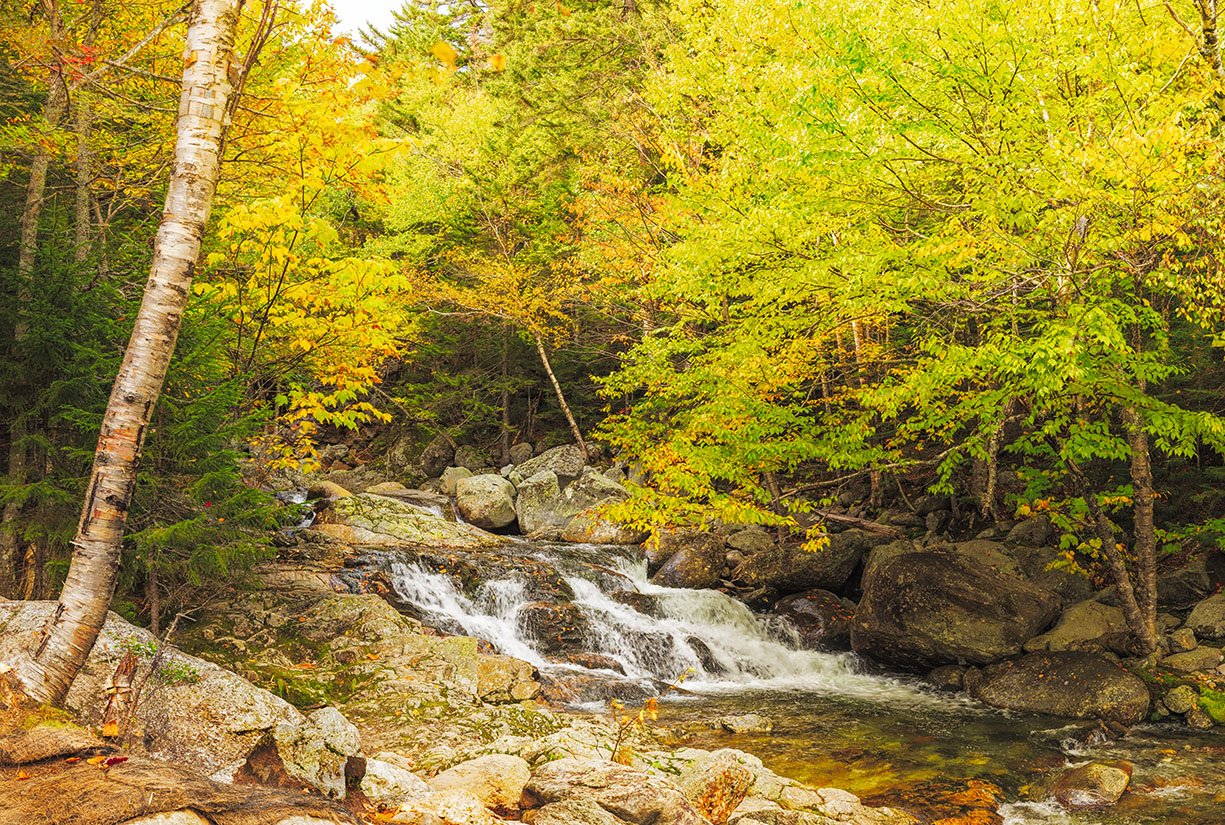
column 451, row 477
column 317, row 752
column 1207, row 619
column 743, row 723
column 496, row 779
column 537, row 501
column 589, row 529
column 437, row 456
column 555, row 628
column 1201, row 658
column 629, row 794
column 920, row 610
column 1088, row 625
column 696, row 565
column 211, row 719
column 1065, row 683
column 1191, row 583
column 790, row 568
column 1095, row 785
column 1035, row 531
column 821, row 618
column 1181, row 699
column 566, row 462
column 486, row 501
column 326, row 490
column 454, row 806
column 586, row 494
column 470, row 458
column 389, row 786
column 991, row 555
column 667, row 543
column 717, row 786
column 382, row 520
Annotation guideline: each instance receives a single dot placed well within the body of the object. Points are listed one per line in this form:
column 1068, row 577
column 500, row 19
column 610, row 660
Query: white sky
column 354, row 14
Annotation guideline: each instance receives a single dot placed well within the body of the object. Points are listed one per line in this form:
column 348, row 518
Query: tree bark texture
column 561, row 398
column 69, row 636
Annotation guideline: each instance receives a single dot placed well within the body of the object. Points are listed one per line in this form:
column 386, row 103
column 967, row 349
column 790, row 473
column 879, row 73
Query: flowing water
column 836, row 723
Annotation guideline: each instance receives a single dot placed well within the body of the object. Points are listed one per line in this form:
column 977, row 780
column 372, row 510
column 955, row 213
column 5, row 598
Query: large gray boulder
column 790, row 568
column 592, row 529
column 920, row 610
column 566, row 461
column 451, row 477
column 537, row 501
column 382, row 520
column 1063, row 683
column 822, row 620
column 437, row 456
column 628, row 794
column 586, row 494
column 520, row 453
column 1089, row 626
column 497, row 780
column 1207, row 619
column 487, row 501
column 317, row 752
column 696, row 565
column 389, row 786
column 205, row 716
column 1191, row 583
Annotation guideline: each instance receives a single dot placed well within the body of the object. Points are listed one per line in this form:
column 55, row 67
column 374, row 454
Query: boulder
column 743, row 723
column 210, row 718
column 920, row 610
column 586, row 494
column 520, row 453
column 1180, row 641
column 1069, row 684
column 497, row 780
column 990, row 555
column 628, row 794
column 790, row 568
column 1181, row 699
column 1191, row 583
column 696, row 565
column 317, row 752
column 1207, row 619
column 555, row 628
column 380, row 520
column 451, row 477
column 666, row 544
column 1035, row 532
column 566, row 462
column 437, row 456
column 451, row 807
column 537, row 501
column 486, row 501
column 387, row 488
column 1201, row 658
column 504, row 679
column 574, row 812
column 326, row 490
column 389, row 786
column 717, row 786
column 750, row 541
column 821, row 619
column 588, row 529
column 1088, row 625
column 925, row 505
column 1095, row 785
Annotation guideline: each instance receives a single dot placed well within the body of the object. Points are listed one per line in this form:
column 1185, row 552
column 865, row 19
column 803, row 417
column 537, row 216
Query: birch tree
column 64, row 644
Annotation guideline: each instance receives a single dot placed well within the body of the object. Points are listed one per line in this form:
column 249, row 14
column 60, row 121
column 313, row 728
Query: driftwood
column 855, row 521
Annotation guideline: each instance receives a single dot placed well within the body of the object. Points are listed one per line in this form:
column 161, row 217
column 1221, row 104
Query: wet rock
column 1095, row 785
column 743, row 723
column 706, row 658
column 925, row 609
column 451, row 477
column 1198, row 718
column 317, row 752
column 822, row 619
column 520, row 453
column 566, row 462
column 946, row 800
column 1068, row 684
column 697, row 563
column 1201, row 658
column 577, row 688
column 750, row 541
column 437, row 456
column 497, row 780
column 791, row 569
column 379, row 520
column 1191, row 583
column 1181, row 699
column 537, row 501
column 1088, row 625
column 717, row 787
column 592, row 661
column 1207, row 619
column 642, row 602
column 554, row 628
column 486, row 501
column 389, row 786
column 1180, row 641
column 587, row 493
column 1035, row 531
column 947, row 677
column 386, row 488
column 631, row 795
column 501, row 679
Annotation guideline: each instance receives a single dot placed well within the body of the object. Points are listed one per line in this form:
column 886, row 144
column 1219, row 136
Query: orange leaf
column 96, row 760
column 110, row 729
column 22, row 775
column 497, row 62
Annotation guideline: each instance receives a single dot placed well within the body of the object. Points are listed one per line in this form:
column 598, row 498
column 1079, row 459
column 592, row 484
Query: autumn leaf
column 497, row 62
column 445, row 53
column 110, row 729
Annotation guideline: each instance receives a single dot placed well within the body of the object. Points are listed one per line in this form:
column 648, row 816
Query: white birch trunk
column 66, row 641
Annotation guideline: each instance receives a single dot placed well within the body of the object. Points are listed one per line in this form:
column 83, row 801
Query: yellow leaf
column 445, row 52
column 110, row 729
column 497, row 62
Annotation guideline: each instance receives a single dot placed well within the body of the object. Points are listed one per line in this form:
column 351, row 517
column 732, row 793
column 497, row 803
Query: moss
column 45, row 716
column 1212, row 702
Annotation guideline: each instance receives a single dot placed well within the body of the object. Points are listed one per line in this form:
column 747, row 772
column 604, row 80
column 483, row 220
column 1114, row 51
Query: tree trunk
column 70, row 635
column 505, row 440
column 83, row 219
column 561, row 399
column 1145, row 573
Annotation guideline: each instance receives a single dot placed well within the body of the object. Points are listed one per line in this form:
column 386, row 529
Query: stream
column 837, row 722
